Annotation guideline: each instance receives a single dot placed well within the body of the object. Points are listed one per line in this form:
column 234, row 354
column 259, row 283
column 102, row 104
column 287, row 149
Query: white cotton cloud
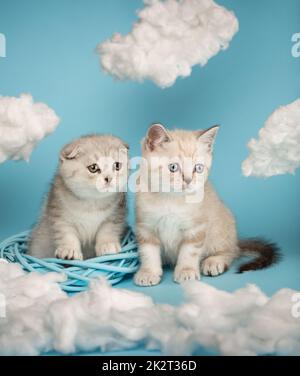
column 23, row 124
column 40, row 317
column 169, row 38
column 277, row 149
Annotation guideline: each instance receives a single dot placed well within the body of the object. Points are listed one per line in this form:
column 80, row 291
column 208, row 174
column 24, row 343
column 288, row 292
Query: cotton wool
column 277, row 149
column 169, row 38
column 40, row 317
column 23, row 124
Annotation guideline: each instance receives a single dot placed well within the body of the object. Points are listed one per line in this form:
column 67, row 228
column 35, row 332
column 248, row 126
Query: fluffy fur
column 84, row 213
column 175, row 230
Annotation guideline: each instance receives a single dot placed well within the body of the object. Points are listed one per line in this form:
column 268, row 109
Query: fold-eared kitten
column 84, row 213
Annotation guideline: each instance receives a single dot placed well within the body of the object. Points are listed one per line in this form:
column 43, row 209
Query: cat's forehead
column 102, row 156
column 101, row 152
column 185, row 145
column 103, row 147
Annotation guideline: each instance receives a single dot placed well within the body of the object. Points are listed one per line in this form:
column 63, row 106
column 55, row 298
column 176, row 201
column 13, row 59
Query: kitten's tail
column 266, row 253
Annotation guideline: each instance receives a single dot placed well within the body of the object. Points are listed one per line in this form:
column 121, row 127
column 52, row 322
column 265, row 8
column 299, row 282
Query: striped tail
column 266, row 254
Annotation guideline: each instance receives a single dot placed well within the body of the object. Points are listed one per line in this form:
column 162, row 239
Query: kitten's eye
column 173, row 167
column 117, row 166
column 94, row 168
column 199, row 168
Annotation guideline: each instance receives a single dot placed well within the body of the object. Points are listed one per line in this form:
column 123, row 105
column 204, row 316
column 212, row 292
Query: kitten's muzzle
column 107, row 179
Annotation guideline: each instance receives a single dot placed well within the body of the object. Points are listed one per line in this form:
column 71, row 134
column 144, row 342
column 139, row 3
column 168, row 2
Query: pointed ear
column 70, row 151
column 157, row 135
column 208, row 136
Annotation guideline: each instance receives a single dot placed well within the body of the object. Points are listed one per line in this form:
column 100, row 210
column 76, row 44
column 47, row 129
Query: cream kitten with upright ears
column 84, row 213
column 171, row 228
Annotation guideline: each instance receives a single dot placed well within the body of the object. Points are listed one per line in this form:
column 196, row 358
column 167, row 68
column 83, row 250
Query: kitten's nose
column 187, row 179
column 108, row 179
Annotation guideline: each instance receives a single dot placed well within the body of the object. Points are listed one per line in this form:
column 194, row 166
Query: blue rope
column 78, row 273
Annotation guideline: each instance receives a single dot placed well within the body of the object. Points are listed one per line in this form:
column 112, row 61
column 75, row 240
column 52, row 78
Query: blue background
column 51, row 54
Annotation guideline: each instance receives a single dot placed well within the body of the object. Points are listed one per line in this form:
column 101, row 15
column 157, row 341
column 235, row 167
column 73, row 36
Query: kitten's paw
column 183, row 274
column 107, row 248
column 146, row 277
column 213, row 266
column 68, row 253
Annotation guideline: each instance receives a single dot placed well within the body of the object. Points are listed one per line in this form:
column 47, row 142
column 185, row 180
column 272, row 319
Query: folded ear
column 70, row 151
column 126, row 146
column 157, row 135
column 208, row 136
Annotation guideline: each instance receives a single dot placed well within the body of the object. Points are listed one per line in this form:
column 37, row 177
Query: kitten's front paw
column 213, row 266
column 183, row 274
column 107, row 248
column 146, row 277
column 68, row 253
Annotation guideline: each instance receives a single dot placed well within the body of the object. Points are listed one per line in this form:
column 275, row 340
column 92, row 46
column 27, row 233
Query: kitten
column 84, row 213
column 171, row 228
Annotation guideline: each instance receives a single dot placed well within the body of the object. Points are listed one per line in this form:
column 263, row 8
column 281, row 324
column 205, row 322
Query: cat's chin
column 182, row 193
column 190, row 195
column 105, row 193
column 190, row 191
column 93, row 195
column 186, row 191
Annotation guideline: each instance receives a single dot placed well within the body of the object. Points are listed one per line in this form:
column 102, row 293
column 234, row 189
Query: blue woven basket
column 79, row 273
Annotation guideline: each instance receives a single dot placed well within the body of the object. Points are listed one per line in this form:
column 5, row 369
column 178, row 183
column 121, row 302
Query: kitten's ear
column 208, row 136
column 126, row 146
column 70, row 151
column 157, row 135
